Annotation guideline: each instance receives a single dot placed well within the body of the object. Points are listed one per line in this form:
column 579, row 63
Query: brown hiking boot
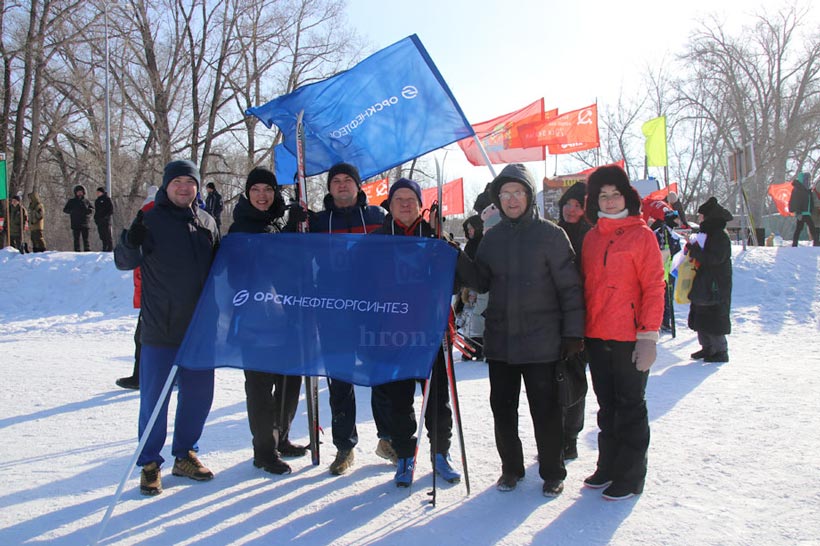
column 191, row 467
column 150, row 480
column 384, row 449
column 342, row 463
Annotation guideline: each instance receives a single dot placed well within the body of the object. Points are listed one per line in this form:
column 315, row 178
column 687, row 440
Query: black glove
column 571, row 346
column 136, row 234
column 296, row 213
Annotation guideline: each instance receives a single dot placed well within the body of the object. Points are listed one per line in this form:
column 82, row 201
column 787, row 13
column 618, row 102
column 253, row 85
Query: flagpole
column 484, row 155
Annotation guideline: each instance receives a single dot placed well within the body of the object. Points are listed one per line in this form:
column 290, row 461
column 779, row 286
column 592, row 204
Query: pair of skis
column 446, row 347
column 311, row 383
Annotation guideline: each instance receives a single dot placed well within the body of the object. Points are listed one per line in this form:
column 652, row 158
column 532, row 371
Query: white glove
column 645, row 353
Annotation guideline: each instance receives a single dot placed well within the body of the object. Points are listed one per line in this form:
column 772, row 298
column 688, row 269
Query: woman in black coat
column 260, row 211
column 711, row 294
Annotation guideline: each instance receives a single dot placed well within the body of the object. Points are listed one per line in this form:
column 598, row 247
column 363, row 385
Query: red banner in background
column 780, row 194
column 499, row 137
column 452, row 197
column 659, row 195
column 376, row 191
column 571, row 132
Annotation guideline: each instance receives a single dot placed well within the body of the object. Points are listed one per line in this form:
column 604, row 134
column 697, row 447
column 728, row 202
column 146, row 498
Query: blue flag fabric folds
column 363, row 309
column 390, row 108
column 284, row 164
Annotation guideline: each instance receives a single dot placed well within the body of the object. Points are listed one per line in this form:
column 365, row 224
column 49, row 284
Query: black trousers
column 798, row 229
column 81, row 232
column 264, row 392
column 137, row 348
column 401, row 417
column 104, row 230
column 547, row 417
column 623, row 440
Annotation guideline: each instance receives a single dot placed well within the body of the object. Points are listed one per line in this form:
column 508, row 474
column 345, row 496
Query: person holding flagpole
column 404, row 203
column 346, row 211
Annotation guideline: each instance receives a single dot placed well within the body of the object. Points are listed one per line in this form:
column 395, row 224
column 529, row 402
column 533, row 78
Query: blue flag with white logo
column 390, row 108
column 363, row 309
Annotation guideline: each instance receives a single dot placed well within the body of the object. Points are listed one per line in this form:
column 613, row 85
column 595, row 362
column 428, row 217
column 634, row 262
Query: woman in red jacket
column 624, row 292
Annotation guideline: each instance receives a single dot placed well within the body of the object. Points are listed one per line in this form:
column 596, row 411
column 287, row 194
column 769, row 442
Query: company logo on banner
column 376, row 191
column 452, row 197
column 363, row 309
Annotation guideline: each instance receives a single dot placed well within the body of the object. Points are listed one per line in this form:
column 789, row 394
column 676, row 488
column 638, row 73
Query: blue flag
column 391, row 107
column 363, row 309
column 284, row 164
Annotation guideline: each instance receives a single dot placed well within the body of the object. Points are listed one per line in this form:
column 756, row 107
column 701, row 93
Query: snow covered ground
column 733, row 460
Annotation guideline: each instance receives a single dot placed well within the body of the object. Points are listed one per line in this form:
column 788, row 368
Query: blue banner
column 284, row 164
column 388, row 109
column 363, row 309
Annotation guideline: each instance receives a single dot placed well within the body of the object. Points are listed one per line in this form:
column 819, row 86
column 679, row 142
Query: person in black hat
column 18, row 217
column 801, row 204
column 260, row 210
column 213, row 203
column 711, row 294
column 80, row 210
column 405, row 204
column 173, row 244
column 103, row 212
column 345, row 211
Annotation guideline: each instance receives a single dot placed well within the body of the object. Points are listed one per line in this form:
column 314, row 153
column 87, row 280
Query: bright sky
column 500, row 56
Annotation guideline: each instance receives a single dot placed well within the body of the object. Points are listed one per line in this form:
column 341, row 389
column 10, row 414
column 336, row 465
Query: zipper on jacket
column 606, row 252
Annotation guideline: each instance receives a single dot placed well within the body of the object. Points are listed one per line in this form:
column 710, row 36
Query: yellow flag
column 655, row 132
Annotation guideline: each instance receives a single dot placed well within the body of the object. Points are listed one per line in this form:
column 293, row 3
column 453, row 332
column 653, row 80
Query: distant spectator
column 36, row 219
column 674, row 202
column 801, row 205
column 18, row 216
column 213, row 204
column 103, row 212
column 711, row 294
column 80, row 210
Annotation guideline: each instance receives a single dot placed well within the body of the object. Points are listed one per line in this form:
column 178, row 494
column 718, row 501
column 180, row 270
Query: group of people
column 593, row 285
column 80, row 211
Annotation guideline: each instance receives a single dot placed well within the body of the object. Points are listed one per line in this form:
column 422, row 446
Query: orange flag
column 376, row 191
column 567, row 133
column 780, row 194
column 498, row 137
column 452, row 197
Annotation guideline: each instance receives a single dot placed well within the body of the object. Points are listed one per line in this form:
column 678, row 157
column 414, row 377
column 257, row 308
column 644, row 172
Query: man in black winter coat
column 801, row 205
column 535, row 317
column 103, row 212
column 80, row 210
column 173, row 244
column 213, row 204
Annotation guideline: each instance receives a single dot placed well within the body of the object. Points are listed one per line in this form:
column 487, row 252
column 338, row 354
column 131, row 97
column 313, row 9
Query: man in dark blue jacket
column 346, row 211
column 173, row 244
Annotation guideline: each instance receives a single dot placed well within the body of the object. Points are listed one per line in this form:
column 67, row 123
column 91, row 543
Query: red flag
column 376, row 191
column 780, row 194
column 567, row 133
column 498, row 138
column 452, row 197
column 661, row 194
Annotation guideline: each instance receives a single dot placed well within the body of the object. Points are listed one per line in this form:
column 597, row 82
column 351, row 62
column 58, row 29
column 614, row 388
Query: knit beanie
column 577, row 191
column 344, row 168
column 210, row 186
column 711, row 209
column 180, row 167
column 404, row 183
column 101, row 189
column 260, row 175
